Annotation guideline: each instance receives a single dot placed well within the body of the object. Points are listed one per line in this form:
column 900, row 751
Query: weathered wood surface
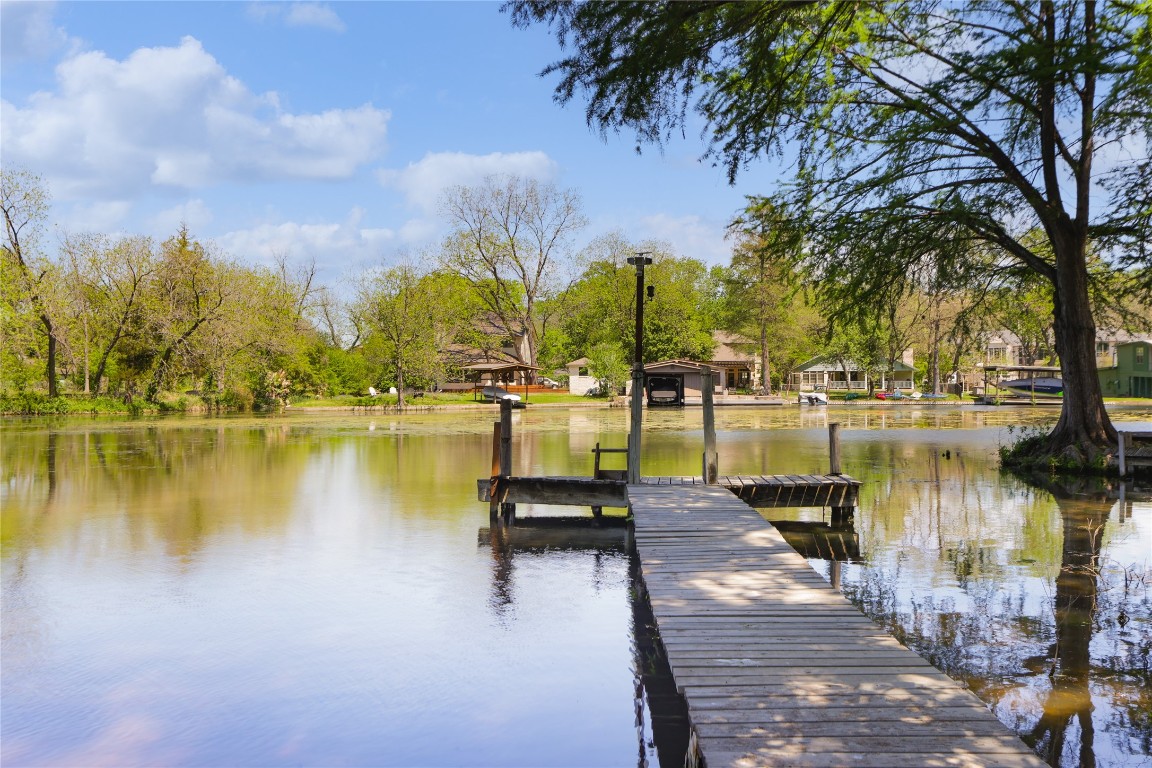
column 1135, row 450
column 780, row 669
column 756, row 490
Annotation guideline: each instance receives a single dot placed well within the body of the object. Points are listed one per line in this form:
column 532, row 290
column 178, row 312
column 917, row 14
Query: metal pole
column 640, row 260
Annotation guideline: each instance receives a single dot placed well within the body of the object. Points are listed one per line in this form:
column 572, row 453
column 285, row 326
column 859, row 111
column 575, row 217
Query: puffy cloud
column 193, row 213
column 320, row 15
column 424, row 182
column 690, row 236
column 313, row 15
column 173, row 117
column 27, row 31
column 335, row 246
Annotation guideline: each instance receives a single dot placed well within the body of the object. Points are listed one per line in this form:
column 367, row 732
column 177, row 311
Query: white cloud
column 27, row 31
column 173, row 117
column 100, row 216
column 313, row 15
column 335, row 246
column 319, row 15
column 193, row 213
column 690, row 236
column 424, row 182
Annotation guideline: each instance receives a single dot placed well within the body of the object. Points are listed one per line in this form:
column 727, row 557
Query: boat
column 664, row 390
column 499, row 393
column 1040, row 385
column 812, row 398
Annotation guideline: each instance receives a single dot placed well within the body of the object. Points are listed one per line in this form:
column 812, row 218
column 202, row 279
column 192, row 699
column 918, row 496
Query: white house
column 579, row 382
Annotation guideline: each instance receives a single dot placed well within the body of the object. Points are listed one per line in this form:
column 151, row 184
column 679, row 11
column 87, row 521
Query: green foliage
column 236, row 398
column 600, row 305
column 606, row 362
column 1032, row 452
column 39, row 404
column 916, row 127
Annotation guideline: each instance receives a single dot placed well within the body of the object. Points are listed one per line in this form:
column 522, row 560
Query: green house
column 1130, row 374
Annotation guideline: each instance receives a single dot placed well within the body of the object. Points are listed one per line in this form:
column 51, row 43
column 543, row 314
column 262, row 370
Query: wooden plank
column 777, row 667
column 757, row 758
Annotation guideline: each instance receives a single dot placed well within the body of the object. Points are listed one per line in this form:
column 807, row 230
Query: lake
column 319, row 589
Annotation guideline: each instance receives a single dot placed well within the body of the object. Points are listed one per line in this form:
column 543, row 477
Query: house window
column 1101, row 347
column 1141, row 354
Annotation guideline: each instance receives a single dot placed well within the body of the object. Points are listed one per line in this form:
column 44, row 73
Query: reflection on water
column 310, row 590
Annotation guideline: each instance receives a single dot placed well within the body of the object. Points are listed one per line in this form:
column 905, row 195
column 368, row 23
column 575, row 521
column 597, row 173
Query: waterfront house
column 735, row 361
column 826, row 374
column 580, row 381
column 1130, row 374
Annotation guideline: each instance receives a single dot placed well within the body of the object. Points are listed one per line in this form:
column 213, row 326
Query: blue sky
column 324, row 131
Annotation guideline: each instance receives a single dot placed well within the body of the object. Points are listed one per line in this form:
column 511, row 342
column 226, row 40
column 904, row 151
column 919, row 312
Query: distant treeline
column 128, row 320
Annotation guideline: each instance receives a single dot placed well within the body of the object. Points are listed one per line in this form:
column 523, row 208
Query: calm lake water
column 314, row 589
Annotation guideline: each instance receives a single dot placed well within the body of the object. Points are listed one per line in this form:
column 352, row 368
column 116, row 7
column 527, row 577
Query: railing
column 861, row 385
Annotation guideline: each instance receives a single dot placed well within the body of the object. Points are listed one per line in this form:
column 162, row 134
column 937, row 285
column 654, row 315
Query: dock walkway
column 780, row 669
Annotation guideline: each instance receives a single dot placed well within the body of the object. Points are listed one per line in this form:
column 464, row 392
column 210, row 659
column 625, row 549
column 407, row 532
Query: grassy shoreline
column 37, row 404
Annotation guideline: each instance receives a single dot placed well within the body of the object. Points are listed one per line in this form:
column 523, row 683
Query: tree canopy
column 910, row 123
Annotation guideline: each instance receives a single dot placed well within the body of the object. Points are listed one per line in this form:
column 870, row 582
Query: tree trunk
column 87, row 369
column 399, row 384
column 934, row 361
column 1083, row 424
column 766, row 386
column 50, row 364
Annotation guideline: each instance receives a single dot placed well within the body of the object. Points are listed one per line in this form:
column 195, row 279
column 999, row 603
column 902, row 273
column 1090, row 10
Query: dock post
column 640, row 260
column 1122, row 457
column 840, row 515
column 710, row 468
column 834, row 449
column 637, row 423
column 494, row 488
column 506, row 451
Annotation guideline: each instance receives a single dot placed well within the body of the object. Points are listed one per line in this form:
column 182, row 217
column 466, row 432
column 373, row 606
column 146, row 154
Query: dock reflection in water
column 661, row 714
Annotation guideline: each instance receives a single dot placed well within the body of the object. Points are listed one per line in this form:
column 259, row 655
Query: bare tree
column 510, row 243
column 25, row 206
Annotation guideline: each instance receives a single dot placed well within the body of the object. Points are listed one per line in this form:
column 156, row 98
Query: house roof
column 580, row 363
column 824, row 363
column 498, row 367
column 679, row 366
column 727, row 351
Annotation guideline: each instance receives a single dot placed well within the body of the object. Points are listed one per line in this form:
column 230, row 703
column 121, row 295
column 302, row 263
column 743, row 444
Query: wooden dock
column 766, row 491
column 780, row 669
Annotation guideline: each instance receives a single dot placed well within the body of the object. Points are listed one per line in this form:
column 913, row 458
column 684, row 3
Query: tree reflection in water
column 1064, row 733
column 1064, row 661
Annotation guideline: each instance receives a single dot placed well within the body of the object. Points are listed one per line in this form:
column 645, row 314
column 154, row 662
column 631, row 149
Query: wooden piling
column 711, row 460
column 494, row 492
column 508, row 508
column 834, row 448
column 636, row 423
column 841, row 516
